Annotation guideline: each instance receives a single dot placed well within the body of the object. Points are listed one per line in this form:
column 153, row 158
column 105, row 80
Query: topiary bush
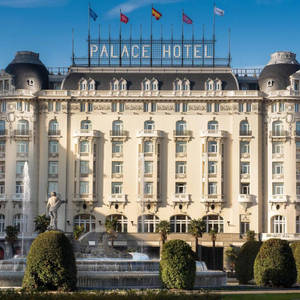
column 50, row 263
column 177, row 265
column 275, row 265
column 295, row 246
column 245, row 261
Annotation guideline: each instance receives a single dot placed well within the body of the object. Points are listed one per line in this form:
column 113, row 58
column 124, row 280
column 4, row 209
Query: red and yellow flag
column 156, row 14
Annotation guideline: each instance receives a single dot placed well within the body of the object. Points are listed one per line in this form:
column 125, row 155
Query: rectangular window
column 57, row 106
column 52, row 187
column 90, row 107
column 53, row 167
column 116, row 187
column 19, row 105
column 2, row 167
column 245, row 168
column 2, row 188
column 277, row 168
column 22, row 147
column 281, row 107
column 121, row 107
column 277, row 188
column 184, row 107
column 84, row 167
column 274, row 107
column 245, row 188
column 148, row 188
column 146, row 107
column 117, row 167
column 212, row 167
column 180, row 147
column 50, row 106
column 244, row 227
column 53, row 147
column 212, row 147
column 148, row 147
column 117, row 147
column 19, row 187
column 244, row 147
column 114, row 107
column 148, row 167
column 27, row 106
column 84, row 147
column 82, row 107
column 248, row 107
column 177, row 107
column 83, row 187
column 180, row 167
column 153, row 107
column 217, row 107
column 212, row 188
column 180, row 188
column 241, row 107
column 3, row 106
column 208, row 107
column 20, row 167
column 296, row 107
column 277, row 148
column 2, row 146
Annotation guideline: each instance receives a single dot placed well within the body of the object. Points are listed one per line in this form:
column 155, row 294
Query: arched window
column 177, row 85
column 278, row 224
column 298, row 224
column 82, row 84
column 149, row 125
column 146, row 85
column 244, row 128
column 53, row 127
column 213, row 222
column 20, row 221
column 180, row 127
column 86, row 125
column 186, row 85
column 277, row 128
column 180, row 223
column 122, row 222
column 2, row 127
column 218, row 85
column 23, row 127
column 209, row 85
column 2, row 223
column 212, row 147
column 123, row 85
column 87, row 221
column 84, row 147
column 212, row 126
column 115, row 84
column 147, row 223
column 298, row 128
column 117, row 127
column 91, row 84
column 154, row 84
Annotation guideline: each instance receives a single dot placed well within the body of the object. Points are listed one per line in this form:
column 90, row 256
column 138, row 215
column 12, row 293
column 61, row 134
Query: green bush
column 275, row 265
column 177, row 265
column 245, row 261
column 50, row 263
column 296, row 252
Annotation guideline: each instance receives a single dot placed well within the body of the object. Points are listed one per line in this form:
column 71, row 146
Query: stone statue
column 53, row 205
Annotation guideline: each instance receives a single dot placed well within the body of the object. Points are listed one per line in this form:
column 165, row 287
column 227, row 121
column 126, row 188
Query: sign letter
column 112, row 55
column 144, row 51
column 94, row 49
column 197, row 51
column 103, row 51
column 168, row 51
column 133, row 54
column 176, row 51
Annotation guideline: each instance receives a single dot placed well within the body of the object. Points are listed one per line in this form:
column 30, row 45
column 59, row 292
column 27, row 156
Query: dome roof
column 275, row 75
column 28, row 71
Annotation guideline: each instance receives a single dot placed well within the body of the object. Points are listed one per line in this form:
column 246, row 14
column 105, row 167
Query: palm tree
column 111, row 227
column 213, row 236
column 163, row 227
column 196, row 229
column 41, row 223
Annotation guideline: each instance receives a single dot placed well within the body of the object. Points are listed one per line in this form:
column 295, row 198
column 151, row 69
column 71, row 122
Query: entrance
column 207, row 257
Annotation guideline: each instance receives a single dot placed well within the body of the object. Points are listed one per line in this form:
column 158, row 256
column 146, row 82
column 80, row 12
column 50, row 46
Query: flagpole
column 182, row 37
column 203, row 53
column 193, row 45
column 214, row 34
column 120, row 37
column 73, row 53
column 229, row 47
column 89, row 36
column 130, row 42
column 99, row 35
column 161, row 41
column 151, row 39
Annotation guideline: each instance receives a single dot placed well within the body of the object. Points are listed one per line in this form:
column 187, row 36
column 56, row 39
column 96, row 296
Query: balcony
column 121, row 134
column 212, row 198
column 278, row 199
column 277, row 155
column 17, row 197
column 277, row 176
column 22, row 132
column 84, row 198
column 52, row 132
column 148, row 198
column 212, row 133
column 86, row 133
column 278, row 134
column 3, row 132
column 3, row 197
column 149, row 133
column 117, row 198
column 181, row 198
column 186, row 134
column 246, row 198
column 284, row 236
column 246, row 133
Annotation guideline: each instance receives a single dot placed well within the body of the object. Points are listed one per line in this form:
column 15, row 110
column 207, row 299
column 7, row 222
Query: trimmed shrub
column 295, row 246
column 50, row 263
column 275, row 265
column 177, row 265
column 245, row 261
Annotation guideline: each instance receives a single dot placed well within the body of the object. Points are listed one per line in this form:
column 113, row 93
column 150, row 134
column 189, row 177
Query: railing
column 245, row 132
column 58, row 70
column 87, row 132
column 3, row 132
column 149, row 133
column 252, row 72
column 118, row 133
column 54, row 132
column 182, row 133
column 22, row 132
column 181, row 198
column 212, row 132
column 245, row 198
column 278, row 198
column 117, row 198
column 278, row 133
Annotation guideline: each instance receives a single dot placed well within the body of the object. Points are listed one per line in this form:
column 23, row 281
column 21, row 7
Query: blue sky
column 258, row 27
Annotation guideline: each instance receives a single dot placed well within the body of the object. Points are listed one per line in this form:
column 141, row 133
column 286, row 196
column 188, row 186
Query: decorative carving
column 169, row 107
column 133, row 106
column 200, row 107
column 225, row 107
column 75, row 107
column 102, row 107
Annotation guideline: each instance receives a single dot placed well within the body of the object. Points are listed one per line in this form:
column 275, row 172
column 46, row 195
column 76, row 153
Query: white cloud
column 31, row 3
column 131, row 5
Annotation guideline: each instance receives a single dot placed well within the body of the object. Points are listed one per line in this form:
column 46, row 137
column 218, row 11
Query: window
column 296, row 107
column 213, row 222
column 278, row 224
column 277, row 148
column 184, row 107
column 217, row 107
column 90, row 107
column 20, row 221
column 148, row 167
column 57, row 106
column 53, row 147
column 116, row 187
column 245, row 188
column 248, row 107
column 281, row 107
column 148, row 188
column 83, row 187
column 277, row 188
column 86, row 221
column 82, row 84
column 23, row 127
column 2, row 223
column 148, row 147
column 19, row 187
column 180, row 127
column 277, row 167
column 209, row 85
column 84, row 147
column 277, row 128
column 244, row 227
column 2, row 188
column 84, row 167
column 22, row 147
column 27, row 106
column 244, row 147
column 180, row 224
column 177, row 107
column 117, row 147
column 244, row 128
column 53, row 167
column 146, row 107
column 117, row 127
column 186, row 85
column 212, row 126
column 270, row 83
column 274, row 107
column 149, row 125
column 298, row 128
column 212, row 188
column 19, row 106
column 86, row 125
column 121, row 107
column 123, row 85
column 2, row 167
column 121, row 222
column 50, row 106
column 180, row 167
column 52, row 187
column 298, row 224
column 212, row 147
column 117, row 167
column 53, row 127
column 241, row 107
column 180, row 188
column 20, row 167
column 3, row 106
column 177, row 85
column 2, row 127
column 208, row 107
column 180, row 147
column 245, row 168
column 2, row 146
column 212, row 167
column 147, row 223
column 114, row 107
column 82, row 107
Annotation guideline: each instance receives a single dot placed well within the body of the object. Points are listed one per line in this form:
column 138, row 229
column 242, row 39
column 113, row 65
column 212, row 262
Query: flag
column 124, row 18
column 186, row 19
column 93, row 15
column 218, row 11
column 156, row 14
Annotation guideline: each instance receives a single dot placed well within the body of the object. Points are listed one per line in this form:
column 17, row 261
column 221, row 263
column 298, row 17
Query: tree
column 11, row 235
column 41, row 223
column 295, row 246
column 111, row 227
column 213, row 236
column 231, row 256
column 163, row 227
column 78, row 231
column 250, row 235
column 196, row 229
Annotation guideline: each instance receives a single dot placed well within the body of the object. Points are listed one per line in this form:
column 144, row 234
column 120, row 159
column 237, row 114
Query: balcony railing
column 278, row 199
column 212, row 132
column 278, row 133
column 212, row 198
column 181, row 198
column 22, row 132
column 54, row 132
column 118, row 133
column 86, row 132
column 3, row 197
column 149, row 133
column 245, row 198
column 245, row 132
column 183, row 133
column 117, row 198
